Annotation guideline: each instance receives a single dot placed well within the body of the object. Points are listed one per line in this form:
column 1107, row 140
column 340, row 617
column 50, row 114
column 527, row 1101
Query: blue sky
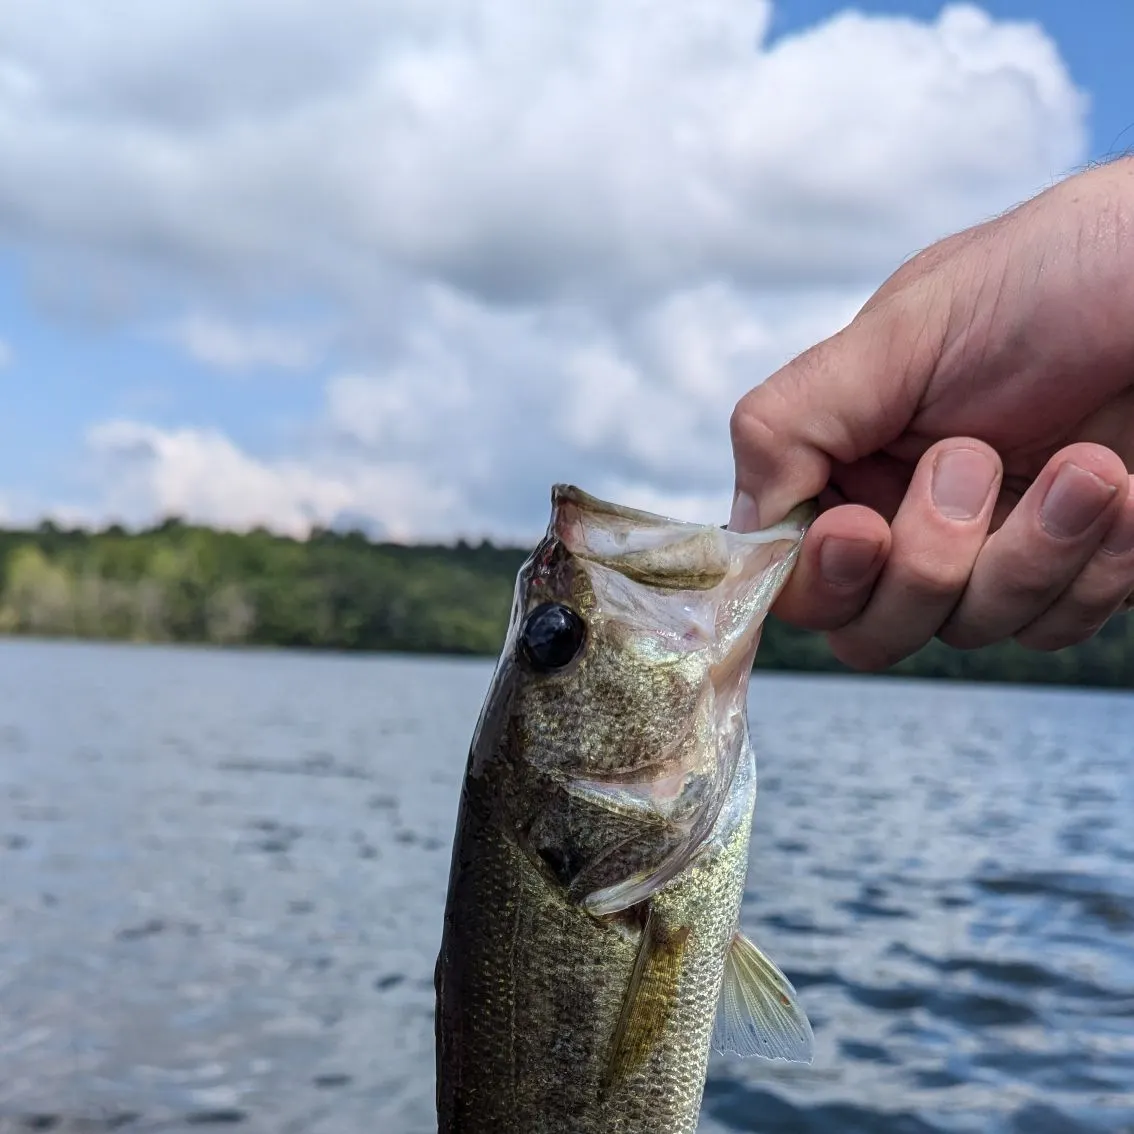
column 295, row 267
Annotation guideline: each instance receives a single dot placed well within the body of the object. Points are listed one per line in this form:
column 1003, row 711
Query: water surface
column 222, row 875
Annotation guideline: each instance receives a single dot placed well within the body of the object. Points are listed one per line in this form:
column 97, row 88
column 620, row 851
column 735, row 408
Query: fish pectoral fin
column 649, row 1000
column 758, row 1013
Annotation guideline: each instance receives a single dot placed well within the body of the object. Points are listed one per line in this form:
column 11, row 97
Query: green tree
column 182, row 582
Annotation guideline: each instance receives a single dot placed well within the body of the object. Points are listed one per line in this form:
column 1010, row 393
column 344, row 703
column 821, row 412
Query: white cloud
column 226, row 345
column 200, row 475
column 516, row 150
column 558, row 239
column 479, row 411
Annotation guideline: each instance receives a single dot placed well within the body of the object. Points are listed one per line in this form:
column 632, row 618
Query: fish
column 591, row 953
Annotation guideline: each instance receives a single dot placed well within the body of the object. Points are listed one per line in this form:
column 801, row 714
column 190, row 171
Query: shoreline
column 427, row 654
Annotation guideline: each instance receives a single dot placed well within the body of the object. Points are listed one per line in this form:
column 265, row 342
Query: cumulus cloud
column 227, row 345
column 430, row 447
column 198, row 474
column 517, row 150
column 559, row 239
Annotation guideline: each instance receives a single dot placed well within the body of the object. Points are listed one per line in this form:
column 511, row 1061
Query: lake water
column 222, row 876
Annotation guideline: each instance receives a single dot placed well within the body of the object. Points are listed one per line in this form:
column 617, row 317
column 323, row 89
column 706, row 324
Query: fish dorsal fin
column 758, row 1013
column 649, row 1000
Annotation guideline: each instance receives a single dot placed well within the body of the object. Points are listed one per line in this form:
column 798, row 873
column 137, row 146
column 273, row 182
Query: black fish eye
column 551, row 636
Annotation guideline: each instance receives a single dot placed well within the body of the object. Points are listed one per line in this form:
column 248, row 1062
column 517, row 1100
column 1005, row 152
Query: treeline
column 182, row 583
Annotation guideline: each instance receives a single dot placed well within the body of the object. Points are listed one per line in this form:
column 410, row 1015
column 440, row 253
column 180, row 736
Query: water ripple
column 222, row 876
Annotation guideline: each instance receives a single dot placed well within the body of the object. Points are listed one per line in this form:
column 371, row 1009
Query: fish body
column 591, row 927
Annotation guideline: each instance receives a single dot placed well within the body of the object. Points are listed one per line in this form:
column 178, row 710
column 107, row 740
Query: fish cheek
column 613, row 715
column 645, row 708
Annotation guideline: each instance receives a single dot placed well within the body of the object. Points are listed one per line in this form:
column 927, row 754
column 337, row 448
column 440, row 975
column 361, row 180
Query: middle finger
column 936, row 537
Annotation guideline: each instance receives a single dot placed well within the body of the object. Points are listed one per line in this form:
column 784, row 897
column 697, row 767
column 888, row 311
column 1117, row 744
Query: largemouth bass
column 591, row 931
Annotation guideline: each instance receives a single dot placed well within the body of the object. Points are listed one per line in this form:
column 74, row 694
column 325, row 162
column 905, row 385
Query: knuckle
column 864, row 651
column 1049, row 639
column 961, row 635
column 1025, row 582
column 757, row 419
column 832, row 618
column 742, row 420
column 1085, row 621
column 934, row 579
column 1066, row 624
column 818, row 609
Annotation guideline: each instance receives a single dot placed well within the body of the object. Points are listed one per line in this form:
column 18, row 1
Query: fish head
column 626, row 670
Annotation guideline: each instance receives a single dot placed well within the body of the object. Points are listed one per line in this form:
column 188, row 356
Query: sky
column 400, row 265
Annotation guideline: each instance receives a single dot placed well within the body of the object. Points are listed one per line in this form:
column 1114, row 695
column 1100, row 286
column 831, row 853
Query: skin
column 969, row 435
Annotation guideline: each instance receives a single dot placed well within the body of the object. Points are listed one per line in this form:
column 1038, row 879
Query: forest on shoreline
column 179, row 582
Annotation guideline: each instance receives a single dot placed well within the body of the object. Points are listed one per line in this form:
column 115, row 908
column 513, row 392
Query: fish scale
column 585, row 943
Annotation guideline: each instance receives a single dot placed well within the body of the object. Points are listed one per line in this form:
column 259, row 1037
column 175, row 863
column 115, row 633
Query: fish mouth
column 657, row 550
column 570, row 496
column 673, row 611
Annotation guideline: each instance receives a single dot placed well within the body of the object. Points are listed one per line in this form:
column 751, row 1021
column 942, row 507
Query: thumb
column 841, row 400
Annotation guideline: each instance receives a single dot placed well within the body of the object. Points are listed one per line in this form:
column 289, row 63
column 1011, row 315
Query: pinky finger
column 1101, row 588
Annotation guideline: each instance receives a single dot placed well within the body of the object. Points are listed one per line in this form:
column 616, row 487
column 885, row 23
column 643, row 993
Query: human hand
column 968, row 436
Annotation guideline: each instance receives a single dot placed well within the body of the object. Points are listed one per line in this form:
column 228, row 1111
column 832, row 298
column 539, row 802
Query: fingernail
column 745, row 514
column 1074, row 502
column 1121, row 537
column 962, row 480
column 845, row 562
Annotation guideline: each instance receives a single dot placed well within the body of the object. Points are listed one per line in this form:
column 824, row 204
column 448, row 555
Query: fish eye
column 552, row 636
